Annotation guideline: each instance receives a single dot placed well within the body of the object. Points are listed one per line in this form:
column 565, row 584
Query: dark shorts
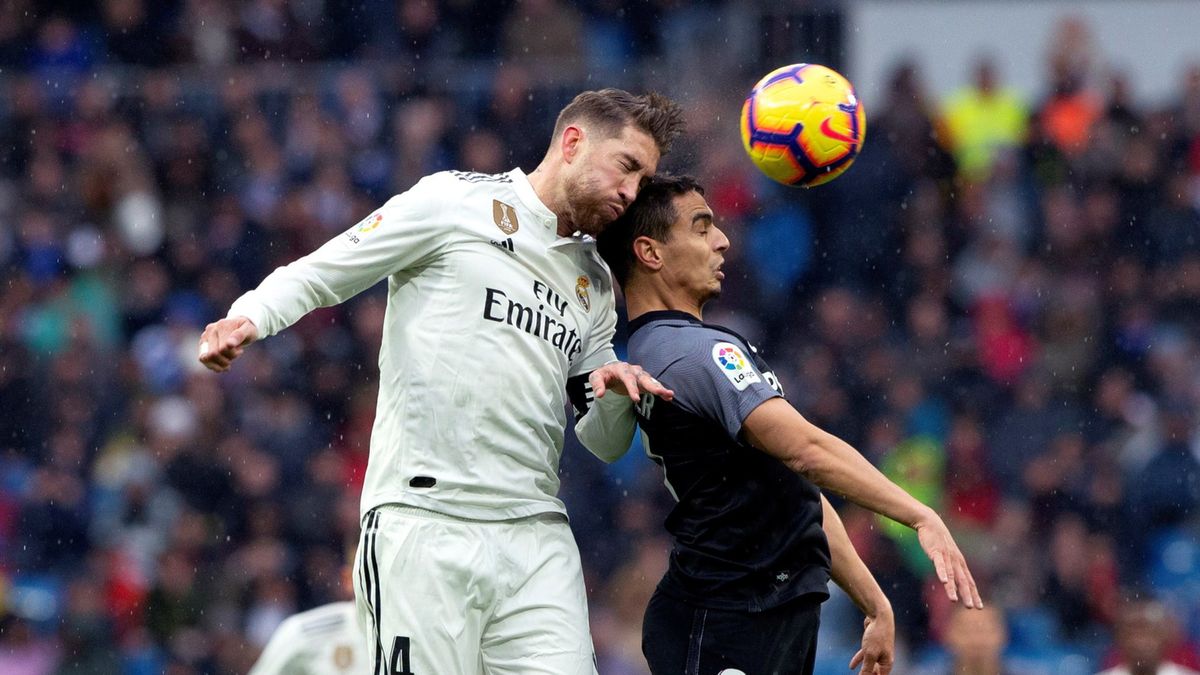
column 682, row 639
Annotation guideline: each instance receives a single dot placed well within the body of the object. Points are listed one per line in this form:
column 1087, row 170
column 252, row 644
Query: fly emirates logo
column 547, row 320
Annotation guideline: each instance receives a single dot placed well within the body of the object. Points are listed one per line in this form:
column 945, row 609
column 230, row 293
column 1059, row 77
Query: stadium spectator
column 983, row 120
column 976, row 642
column 1145, row 630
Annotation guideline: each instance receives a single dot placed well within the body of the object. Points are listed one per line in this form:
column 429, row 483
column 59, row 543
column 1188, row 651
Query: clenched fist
column 223, row 341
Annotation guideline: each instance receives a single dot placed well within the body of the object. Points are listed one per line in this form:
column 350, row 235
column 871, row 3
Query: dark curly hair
column 650, row 215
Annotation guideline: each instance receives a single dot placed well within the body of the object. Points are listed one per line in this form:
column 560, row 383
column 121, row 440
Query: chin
column 595, row 227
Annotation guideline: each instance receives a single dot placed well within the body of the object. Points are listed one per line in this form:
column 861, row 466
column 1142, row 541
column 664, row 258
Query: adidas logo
column 507, row 245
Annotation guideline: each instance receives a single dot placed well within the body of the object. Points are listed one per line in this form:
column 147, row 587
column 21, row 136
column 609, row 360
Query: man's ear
column 648, row 252
column 571, row 142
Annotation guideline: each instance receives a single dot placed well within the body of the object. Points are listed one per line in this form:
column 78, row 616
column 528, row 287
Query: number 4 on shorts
column 400, row 660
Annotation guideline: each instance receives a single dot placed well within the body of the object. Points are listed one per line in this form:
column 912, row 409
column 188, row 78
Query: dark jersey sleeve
column 713, row 376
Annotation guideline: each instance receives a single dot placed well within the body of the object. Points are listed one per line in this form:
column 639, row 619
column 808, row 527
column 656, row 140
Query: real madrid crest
column 581, row 292
column 505, row 217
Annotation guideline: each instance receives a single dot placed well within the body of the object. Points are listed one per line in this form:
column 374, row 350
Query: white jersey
column 489, row 312
column 321, row 641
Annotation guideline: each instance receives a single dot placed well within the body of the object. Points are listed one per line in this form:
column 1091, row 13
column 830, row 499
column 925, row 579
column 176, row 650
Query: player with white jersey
column 497, row 304
column 322, row 641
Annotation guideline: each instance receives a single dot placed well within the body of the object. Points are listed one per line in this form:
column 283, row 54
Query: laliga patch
column 364, row 227
column 734, row 365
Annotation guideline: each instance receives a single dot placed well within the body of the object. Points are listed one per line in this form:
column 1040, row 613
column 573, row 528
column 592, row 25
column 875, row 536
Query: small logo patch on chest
column 505, row 216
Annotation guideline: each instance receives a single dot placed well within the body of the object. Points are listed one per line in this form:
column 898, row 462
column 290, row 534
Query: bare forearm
column 777, row 429
column 832, row 463
column 848, row 570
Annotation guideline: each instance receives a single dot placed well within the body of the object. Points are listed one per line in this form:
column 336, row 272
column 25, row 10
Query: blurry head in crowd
column 976, row 640
column 1144, row 630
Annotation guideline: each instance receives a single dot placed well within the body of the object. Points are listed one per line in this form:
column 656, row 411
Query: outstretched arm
column 777, row 429
column 405, row 231
column 878, row 652
column 607, row 428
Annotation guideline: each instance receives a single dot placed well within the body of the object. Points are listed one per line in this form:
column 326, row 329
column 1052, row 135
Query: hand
column 948, row 561
column 627, row 380
column 224, row 340
column 878, row 652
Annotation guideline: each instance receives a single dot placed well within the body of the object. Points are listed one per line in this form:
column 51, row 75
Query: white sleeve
column 280, row 656
column 404, row 232
column 607, row 428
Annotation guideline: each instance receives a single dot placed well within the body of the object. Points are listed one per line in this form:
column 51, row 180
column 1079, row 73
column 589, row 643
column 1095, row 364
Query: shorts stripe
column 377, row 604
column 370, row 583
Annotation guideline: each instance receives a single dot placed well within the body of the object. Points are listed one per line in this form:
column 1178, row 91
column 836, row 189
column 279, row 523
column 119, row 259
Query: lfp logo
column 370, row 223
column 733, row 364
column 730, row 358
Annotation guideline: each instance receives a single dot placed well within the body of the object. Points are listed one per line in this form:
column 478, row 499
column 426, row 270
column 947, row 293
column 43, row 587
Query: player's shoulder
column 324, row 620
column 668, row 337
column 683, row 330
column 477, row 178
column 447, row 183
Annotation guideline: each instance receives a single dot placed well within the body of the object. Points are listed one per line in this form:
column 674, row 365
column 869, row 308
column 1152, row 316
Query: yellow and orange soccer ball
column 803, row 125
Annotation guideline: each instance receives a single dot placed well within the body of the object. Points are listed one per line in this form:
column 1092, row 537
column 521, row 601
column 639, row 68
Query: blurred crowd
column 998, row 305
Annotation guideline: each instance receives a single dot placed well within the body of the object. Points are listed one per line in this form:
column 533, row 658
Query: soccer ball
column 803, row 125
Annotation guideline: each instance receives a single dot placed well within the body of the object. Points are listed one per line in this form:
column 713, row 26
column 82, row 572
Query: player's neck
column 548, row 188
column 641, row 298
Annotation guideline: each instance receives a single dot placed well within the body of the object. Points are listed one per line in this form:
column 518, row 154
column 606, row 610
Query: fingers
column 944, row 574
column 627, row 379
column 870, row 662
column 653, row 386
column 597, row 381
column 222, row 342
column 645, row 382
column 235, row 338
column 967, row 588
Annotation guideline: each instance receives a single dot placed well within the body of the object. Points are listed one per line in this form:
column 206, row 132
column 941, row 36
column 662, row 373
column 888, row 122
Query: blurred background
column 998, row 304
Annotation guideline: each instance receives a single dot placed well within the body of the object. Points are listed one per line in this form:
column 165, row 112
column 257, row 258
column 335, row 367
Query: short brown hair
column 650, row 215
column 610, row 110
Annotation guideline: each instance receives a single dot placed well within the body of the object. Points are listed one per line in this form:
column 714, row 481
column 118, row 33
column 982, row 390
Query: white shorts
column 439, row 595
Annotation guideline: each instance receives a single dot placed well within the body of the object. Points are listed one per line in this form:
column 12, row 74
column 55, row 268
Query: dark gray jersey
column 747, row 529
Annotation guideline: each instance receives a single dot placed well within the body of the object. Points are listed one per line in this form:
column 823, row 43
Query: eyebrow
column 702, row 216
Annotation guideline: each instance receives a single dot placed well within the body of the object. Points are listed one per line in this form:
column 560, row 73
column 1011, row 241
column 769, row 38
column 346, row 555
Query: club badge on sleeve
column 734, row 365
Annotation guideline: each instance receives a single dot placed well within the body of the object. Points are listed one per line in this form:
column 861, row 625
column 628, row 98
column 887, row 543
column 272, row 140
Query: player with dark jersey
column 749, row 543
column 755, row 543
